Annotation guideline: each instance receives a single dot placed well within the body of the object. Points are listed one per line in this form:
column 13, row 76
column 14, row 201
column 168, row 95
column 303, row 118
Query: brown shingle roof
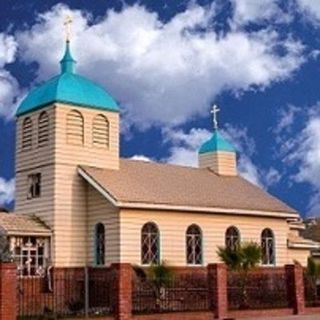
column 154, row 183
column 19, row 224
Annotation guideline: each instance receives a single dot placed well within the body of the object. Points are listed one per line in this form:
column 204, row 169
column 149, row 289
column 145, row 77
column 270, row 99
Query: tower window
column 100, row 131
column 75, row 128
column 27, row 134
column 43, row 129
column 34, row 185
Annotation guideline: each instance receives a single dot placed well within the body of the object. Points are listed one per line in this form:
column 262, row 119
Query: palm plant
column 242, row 259
column 161, row 277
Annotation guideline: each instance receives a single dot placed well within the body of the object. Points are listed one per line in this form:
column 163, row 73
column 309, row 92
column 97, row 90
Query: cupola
column 70, row 88
column 217, row 153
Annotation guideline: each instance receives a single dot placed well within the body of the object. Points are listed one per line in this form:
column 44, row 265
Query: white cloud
column 184, row 146
column 161, row 72
column 245, row 147
column 246, row 11
column 249, row 170
column 286, row 119
column 7, row 191
column 9, row 87
column 311, row 9
column 302, row 151
column 140, row 157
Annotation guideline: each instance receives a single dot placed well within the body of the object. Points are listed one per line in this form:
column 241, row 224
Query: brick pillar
column 295, row 287
column 217, row 280
column 8, row 291
column 123, row 291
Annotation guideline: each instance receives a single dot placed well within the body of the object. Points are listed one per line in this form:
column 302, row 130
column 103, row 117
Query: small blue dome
column 70, row 88
column 216, row 143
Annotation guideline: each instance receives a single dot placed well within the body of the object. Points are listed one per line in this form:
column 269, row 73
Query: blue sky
column 166, row 62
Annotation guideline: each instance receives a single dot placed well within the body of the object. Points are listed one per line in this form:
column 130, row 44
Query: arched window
column 27, row 134
column 43, row 129
column 75, row 128
column 194, row 245
column 268, row 247
column 150, row 244
column 99, row 244
column 232, row 238
column 100, row 131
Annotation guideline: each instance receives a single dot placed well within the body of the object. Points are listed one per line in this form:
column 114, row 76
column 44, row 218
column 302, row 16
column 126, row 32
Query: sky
column 166, row 63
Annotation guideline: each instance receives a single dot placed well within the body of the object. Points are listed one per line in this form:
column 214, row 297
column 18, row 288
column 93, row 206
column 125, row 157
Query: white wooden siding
column 102, row 211
column 173, row 225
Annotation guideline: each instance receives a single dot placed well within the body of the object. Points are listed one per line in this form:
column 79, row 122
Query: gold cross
column 215, row 111
column 67, row 27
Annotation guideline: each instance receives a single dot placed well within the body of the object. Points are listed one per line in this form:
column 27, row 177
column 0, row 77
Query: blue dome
column 216, row 143
column 70, row 88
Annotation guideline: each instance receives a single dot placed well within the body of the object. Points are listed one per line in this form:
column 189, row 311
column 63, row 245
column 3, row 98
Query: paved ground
column 308, row 317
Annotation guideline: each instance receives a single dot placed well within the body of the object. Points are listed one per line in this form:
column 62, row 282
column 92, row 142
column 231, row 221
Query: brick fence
column 218, row 291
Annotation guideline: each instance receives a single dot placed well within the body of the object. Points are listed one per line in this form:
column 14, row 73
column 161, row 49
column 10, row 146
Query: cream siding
column 222, row 163
column 102, row 211
column 36, row 160
column 300, row 255
column 63, row 204
column 173, row 225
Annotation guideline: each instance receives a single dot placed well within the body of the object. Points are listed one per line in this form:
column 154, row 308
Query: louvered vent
column 27, row 134
column 75, row 130
column 43, row 129
column 100, row 134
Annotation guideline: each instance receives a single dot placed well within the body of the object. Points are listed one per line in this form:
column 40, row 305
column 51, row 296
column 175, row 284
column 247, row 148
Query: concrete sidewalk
column 306, row 317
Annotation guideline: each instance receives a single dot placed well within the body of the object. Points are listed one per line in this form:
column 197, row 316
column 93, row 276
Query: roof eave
column 297, row 245
column 36, row 108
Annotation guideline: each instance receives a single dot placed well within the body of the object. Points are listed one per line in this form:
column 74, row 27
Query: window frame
column 158, row 245
column 268, row 238
column 187, row 235
column 71, row 133
column 29, row 250
column 27, row 130
column 34, row 186
column 232, row 241
column 44, row 137
column 96, row 242
column 95, row 140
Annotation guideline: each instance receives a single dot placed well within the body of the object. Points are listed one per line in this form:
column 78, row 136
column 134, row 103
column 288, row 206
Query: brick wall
column 121, row 288
column 8, row 291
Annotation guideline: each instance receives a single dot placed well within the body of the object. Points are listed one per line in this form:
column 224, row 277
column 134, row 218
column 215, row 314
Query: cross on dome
column 215, row 109
column 67, row 27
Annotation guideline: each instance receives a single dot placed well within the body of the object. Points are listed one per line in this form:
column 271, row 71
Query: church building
column 79, row 204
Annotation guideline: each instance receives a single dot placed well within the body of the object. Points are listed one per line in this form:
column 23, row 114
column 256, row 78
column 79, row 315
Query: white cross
column 215, row 111
column 67, row 27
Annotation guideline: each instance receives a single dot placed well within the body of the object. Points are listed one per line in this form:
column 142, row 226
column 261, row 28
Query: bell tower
column 66, row 122
column 217, row 153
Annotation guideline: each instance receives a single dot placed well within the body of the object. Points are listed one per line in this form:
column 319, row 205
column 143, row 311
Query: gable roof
column 139, row 184
column 20, row 224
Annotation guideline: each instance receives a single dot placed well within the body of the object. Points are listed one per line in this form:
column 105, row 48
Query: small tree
column 313, row 273
column 242, row 259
